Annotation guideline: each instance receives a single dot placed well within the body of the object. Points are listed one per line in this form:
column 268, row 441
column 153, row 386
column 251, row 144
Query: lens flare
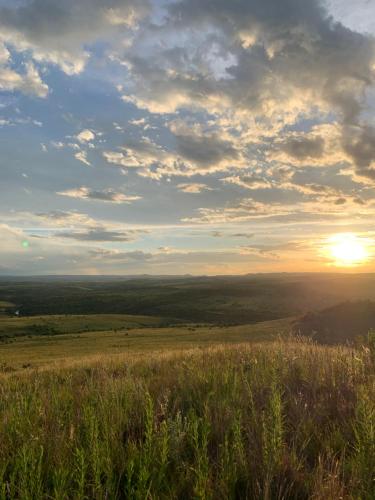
column 25, row 244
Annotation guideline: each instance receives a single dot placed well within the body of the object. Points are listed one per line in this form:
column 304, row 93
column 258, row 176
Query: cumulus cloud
column 258, row 98
column 106, row 195
column 194, row 151
column 205, row 150
column 59, row 32
column 294, row 56
column 85, row 136
column 82, row 156
column 276, row 66
column 321, row 146
column 28, row 82
column 359, row 144
column 304, row 147
column 139, row 154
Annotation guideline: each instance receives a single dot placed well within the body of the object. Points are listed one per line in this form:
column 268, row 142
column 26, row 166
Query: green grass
column 4, row 304
column 37, row 350
column 4, row 307
column 253, row 421
column 59, row 324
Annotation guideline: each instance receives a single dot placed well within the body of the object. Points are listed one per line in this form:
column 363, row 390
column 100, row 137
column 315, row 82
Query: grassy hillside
column 278, row 420
column 346, row 322
column 34, row 350
column 5, row 307
column 11, row 327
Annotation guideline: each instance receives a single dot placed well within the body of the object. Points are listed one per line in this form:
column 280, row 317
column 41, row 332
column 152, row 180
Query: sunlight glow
column 348, row 250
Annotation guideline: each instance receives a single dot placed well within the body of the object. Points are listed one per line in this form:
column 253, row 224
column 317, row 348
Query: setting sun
column 348, row 250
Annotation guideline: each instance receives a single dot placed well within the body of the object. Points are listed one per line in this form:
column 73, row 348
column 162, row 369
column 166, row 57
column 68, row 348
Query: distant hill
column 219, row 300
column 343, row 323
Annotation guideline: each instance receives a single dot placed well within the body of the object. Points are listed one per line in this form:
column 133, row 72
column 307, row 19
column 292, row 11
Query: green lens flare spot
column 25, row 244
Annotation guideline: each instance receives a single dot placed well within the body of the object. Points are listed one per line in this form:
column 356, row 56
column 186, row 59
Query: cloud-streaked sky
column 173, row 137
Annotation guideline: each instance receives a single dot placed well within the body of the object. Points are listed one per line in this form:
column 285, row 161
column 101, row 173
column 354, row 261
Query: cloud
column 304, row 147
column 359, row 144
column 82, row 156
column 251, row 181
column 296, row 58
column 274, row 248
column 221, row 234
column 269, row 102
column 321, row 147
column 193, row 188
column 119, row 256
column 63, row 217
column 313, row 192
column 28, row 82
column 328, row 205
column 194, row 151
column 4, row 54
column 61, row 32
column 276, row 67
column 139, row 154
column 243, row 235
column 106, row 195
column 85, row 136
column 205, row 150
column 99, row 234
column 246, row 210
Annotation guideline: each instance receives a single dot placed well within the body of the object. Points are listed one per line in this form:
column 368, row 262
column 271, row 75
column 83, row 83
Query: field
column 11, row 327
column 276, row 420
column 206, row 395
column 35, row 350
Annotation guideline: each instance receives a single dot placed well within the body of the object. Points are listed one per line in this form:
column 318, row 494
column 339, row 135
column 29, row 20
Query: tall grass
column 283, row 420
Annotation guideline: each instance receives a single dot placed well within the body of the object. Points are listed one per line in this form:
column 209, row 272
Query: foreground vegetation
column 274, row 420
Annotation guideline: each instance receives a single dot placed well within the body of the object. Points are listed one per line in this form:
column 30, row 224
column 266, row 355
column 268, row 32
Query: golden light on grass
column 348, row 250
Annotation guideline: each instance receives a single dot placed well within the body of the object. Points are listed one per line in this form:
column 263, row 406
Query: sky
column 176, row 137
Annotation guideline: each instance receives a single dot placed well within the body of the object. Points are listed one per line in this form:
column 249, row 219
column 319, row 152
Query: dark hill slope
column 345, row 322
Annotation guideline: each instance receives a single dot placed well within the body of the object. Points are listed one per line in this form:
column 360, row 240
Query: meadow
column 92, row 335
column 285, row 419
column 118, row 405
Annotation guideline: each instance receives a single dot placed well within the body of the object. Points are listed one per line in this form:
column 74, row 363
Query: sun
column 348, row 250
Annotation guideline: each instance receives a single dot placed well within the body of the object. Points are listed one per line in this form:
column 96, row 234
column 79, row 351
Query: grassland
column 11, row 327
column 254, row 421
column 184, row 388
column 5, row 305
column 127, row 335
